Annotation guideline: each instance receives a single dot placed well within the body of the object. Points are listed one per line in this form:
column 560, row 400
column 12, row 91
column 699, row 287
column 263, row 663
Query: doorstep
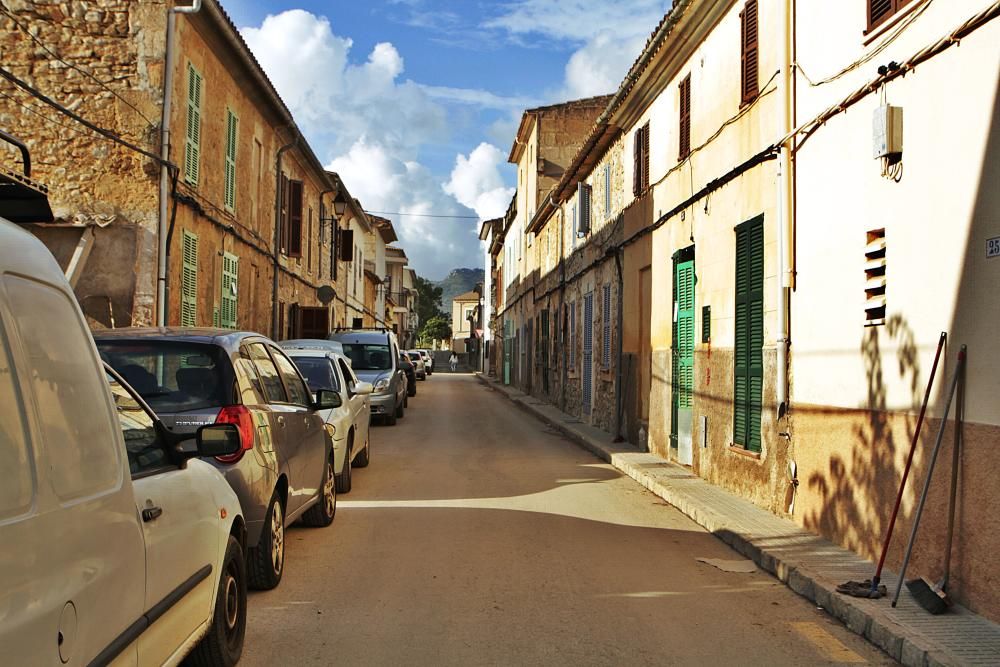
column 808, row 564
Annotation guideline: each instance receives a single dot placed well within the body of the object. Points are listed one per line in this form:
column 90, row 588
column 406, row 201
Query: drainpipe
column 277, row 233
column 562, row 308
column 785, row 210
column 161, row 228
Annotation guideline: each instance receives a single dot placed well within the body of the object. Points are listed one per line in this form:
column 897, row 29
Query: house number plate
column 993, row 247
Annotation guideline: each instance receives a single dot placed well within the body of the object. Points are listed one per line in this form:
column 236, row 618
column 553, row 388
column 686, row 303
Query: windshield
column 318, row 372
column 172, row 376
column 366, row 357
column 415, row 356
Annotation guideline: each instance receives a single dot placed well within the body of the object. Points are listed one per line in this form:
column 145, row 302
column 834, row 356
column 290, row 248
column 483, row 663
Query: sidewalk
column 810, row 565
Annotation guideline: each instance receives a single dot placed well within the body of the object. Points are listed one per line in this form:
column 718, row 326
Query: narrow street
column 477, row 536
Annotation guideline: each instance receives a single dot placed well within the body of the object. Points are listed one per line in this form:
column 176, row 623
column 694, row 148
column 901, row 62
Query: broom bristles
column 933, row 600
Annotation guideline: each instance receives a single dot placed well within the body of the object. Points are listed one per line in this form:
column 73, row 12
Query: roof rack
column 22, row 200
column 380, row 329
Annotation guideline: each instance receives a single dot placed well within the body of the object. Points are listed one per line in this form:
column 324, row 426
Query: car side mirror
column 363, row 388
column 218, row 440
column 327, row 399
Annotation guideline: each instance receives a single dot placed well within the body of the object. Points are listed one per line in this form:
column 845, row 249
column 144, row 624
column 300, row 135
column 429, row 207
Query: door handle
column 281, row 421
column 151, row 514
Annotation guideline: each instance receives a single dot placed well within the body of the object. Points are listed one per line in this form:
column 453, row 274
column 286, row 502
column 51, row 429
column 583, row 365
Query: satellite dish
column 325, row 294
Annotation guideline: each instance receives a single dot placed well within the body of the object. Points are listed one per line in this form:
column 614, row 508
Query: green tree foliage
column 436, row 328
column 429, row 303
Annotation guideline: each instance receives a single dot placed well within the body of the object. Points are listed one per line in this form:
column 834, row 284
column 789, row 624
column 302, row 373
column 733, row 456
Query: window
column 81, row 449
column 684, row 130
column 349, row 378
column 640, row 161
column 189, row 279
column 291, row 228
column 606, row 328
column 230, row 282
column 142, row 443
column 879, row 11
column 192, row 140
column 584, row 197
column 368, row 356
column 607, row 191
column 571, row 335
column 309, row 237
column 18, row 486
column 875, row 278
column 749, row 338
column 748, row 53
column 298, row 394
column 274, row 390
column 232, row 138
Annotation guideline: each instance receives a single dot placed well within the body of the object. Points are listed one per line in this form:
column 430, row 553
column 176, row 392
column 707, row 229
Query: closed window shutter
column 232, row 138
column 192, row 140
column 749, row 343
column 189, row 280
column 684, row 382
column 283, row 214
column 607, row 191
column 645, row 157
column 636, row 161
column 606, row 339
column 588, row 350
column 295, row 218
column 749, row 50
column 879, row 11
column 572, row 335
column 685, row 117
column 584, row 194
column 230, row 281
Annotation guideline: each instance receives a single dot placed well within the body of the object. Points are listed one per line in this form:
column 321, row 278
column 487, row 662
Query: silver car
column 374, row 355
column 284, row 470
column 419, row 365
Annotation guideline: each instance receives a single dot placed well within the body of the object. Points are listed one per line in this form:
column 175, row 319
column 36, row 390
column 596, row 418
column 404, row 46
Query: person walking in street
column 453, row 361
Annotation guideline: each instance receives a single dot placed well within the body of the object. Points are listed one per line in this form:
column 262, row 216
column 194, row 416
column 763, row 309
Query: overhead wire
column 34, row 111
column 89, row 75
column 426, row 215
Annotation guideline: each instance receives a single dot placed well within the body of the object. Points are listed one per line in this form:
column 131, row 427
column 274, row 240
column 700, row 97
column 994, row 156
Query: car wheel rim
column 328, row 490
column 232, row 602
column 277, row 538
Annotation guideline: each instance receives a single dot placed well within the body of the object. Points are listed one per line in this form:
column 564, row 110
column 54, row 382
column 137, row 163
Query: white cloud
column 600, row 65
column 373, row 123
column 476, row 182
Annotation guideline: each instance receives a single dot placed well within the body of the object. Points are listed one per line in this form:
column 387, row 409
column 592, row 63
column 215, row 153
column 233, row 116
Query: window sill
column 872, row 34
column 745, row 453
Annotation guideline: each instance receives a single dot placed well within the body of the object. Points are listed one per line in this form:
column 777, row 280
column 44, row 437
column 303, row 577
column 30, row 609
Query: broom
column 931, row 599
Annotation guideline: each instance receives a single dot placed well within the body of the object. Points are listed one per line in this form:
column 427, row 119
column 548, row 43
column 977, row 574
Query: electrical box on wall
column 887, row 131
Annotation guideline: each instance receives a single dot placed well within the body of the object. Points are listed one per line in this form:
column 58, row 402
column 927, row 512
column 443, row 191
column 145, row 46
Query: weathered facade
column 778, row 291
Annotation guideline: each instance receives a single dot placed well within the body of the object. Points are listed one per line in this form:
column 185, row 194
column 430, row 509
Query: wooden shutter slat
column 295, row 218
column 636, row 161
column 645, row 156
column 685, row 118
column 189, row 279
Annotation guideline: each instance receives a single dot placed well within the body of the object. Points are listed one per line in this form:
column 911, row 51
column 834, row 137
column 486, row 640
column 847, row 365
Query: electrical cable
column 87, row 74
column 108, row 134
column 426, row 215
column 40, row 114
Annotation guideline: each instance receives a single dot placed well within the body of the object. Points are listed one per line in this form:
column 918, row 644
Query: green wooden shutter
column 192, row 140
column 189, row 280
column 749, row 343
column 684, row 382
column 232, row 138
column 230, row 281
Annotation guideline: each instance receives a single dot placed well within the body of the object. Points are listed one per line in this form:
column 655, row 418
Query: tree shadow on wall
column 857, row 499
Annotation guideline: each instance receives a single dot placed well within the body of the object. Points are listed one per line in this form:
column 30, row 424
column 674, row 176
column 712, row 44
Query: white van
column 115, row 546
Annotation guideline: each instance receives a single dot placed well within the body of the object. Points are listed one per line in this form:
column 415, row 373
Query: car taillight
column 240, row 416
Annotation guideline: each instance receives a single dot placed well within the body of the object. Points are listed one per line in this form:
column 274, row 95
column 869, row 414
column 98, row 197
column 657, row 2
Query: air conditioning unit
column 887, row 131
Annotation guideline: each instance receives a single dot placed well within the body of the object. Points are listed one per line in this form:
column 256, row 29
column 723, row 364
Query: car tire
column 411, row 389
column 365, row 457
column 344, row 478
column 267, row 559
column 222, row 646
column 400, row 410
column 406, row 401
column 323, row 512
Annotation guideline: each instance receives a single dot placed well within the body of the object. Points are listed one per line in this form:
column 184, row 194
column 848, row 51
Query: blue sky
column 415, row 102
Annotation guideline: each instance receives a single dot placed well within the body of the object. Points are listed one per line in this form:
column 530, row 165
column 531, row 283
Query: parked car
column 119, row 544
column 347, row 422
column 411, row 373
column 419, row 367
column 374, row 355
column 284, row 469
column 312, row 344
column 428, row 360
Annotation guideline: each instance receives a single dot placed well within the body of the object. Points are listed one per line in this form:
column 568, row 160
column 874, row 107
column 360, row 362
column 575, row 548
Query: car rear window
column 366, row 357
column 415, row 356
column 172, row 376
column 318, row 372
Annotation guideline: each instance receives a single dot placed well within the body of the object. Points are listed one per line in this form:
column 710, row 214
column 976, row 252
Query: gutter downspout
column 785, row 211
column 619, row 388
column 562, row 308
column 277, row 233
column 161, row 227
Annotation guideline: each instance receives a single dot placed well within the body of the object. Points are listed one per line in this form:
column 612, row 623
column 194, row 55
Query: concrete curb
column 784, row 556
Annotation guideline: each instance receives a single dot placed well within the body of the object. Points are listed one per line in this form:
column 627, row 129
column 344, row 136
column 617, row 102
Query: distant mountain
column 459, row 281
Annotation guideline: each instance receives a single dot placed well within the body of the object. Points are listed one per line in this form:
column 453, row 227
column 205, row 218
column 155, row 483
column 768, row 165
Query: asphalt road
column 479, row 537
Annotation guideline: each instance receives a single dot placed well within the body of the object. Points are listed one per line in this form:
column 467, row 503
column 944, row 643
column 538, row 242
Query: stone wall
column 109, row 70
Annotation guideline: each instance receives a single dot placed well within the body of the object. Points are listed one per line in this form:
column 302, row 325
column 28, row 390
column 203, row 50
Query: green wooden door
column 749, row 335
column 683, row 353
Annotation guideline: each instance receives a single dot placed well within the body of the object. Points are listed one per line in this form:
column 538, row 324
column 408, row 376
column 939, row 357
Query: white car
column 117, row 545
column 428, row 360
column 349, row 422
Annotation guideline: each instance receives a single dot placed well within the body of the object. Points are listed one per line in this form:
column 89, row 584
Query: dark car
column 411, row 374
column 285, row 468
